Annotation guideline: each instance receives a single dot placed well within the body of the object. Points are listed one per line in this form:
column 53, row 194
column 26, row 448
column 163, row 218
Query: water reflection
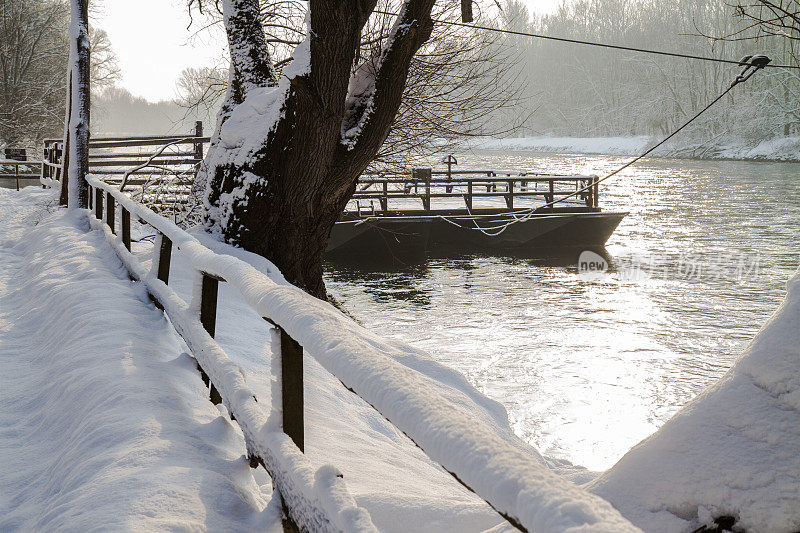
column 588, row 367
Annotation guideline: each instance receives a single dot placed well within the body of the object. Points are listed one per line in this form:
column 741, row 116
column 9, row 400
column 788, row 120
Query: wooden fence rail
column 104, row 202
column 28, row 171
column 471, row 185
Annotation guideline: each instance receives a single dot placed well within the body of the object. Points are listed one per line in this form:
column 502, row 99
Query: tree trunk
column 280, row 197
column 78, row 139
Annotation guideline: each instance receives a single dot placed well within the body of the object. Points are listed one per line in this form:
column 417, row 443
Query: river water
column 588, row 367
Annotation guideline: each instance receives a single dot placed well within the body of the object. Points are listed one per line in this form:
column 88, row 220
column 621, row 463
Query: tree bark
column 78, row 138
column 292, row 190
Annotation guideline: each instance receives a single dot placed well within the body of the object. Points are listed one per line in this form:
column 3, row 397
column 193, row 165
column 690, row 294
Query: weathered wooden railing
column 136, row 159
column 521, row 489
column 475, row 185
column 471, row 185
column 29, row 170
column 265, row 437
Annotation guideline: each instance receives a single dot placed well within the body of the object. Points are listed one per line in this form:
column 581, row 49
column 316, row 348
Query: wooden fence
column 198, row 328
column 28, row 172
column 158, row 169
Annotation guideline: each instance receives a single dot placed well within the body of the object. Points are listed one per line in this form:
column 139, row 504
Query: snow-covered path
column 104, row 423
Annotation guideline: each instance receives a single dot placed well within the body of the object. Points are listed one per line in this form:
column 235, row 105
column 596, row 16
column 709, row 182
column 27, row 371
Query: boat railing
column 470, row 186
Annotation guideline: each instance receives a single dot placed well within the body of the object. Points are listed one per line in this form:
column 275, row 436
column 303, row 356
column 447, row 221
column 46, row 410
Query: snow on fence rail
column 523, row 491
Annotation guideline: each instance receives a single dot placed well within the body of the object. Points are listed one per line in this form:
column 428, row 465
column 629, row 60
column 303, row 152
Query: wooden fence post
column 596, row 195
column 208, row 317
column 418, row 174
column 384, row 200
column 292, row 389
column 198, row 146
column 510, row 195
column 111, row 217
column 98, row 203
column 126, row 228
column 164, row 258
column 43, row 175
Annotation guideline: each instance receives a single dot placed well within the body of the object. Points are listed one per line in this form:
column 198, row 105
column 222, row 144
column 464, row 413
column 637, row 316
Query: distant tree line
column 585, row 91
column 117, row 111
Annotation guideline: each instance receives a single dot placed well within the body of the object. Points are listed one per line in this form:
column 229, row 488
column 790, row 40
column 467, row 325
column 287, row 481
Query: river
column 588, row 367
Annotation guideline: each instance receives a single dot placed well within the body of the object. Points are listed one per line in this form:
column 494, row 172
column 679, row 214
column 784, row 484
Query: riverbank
column 778, row 149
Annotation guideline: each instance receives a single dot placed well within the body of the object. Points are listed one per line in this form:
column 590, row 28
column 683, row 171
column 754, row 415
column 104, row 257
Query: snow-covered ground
column 777, row 149
column 105, row 420
column 734, row 450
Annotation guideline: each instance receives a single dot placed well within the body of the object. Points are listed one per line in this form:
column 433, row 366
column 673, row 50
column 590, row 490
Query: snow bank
column 512, row 481
column 777, row 149
column 734, row 450
column 103, row 426
column 570, row 145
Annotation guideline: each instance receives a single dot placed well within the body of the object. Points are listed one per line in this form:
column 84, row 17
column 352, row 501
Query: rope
column 527, row 214
column 595, row 43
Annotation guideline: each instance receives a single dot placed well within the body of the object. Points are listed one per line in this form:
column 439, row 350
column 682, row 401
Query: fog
column 583, row 91
column 579, row 90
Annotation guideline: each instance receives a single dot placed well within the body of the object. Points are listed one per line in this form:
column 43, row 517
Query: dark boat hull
column 408, row 233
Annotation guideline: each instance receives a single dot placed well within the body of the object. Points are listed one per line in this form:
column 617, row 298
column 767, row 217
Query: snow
column 734, row 450
column 301, row 56
column 103, row 425
column 776, row 149
column 123, row 434
column 359, row 102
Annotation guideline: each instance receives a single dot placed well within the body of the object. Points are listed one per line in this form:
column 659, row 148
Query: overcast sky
column 153, row 45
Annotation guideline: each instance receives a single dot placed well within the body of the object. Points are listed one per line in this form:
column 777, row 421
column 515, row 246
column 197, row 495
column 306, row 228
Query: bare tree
column 295, row 132
column 289, row 147
column 457, row 82
column 104, row 66
column 33, row 58
column 34, row 50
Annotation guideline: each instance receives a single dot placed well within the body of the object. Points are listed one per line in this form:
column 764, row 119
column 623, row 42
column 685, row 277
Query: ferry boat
column 472, row 210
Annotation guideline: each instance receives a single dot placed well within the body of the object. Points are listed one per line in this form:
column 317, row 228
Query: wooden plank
column 144, row 156
column 158, row 141
column 135, row 162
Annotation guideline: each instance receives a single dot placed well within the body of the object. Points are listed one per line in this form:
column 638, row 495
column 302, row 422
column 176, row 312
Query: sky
column 151, row 60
